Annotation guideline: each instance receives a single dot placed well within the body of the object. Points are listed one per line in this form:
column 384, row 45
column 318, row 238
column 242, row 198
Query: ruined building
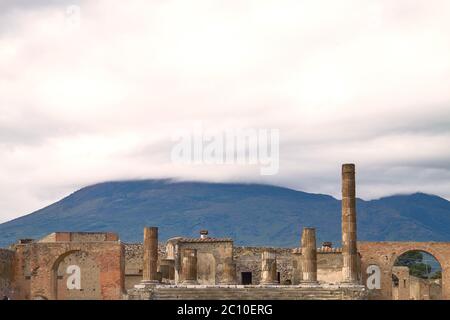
column 84, row 265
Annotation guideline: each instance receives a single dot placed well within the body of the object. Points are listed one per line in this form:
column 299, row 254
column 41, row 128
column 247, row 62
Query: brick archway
column 54, row 272
column 385, row 254
column 89, row 274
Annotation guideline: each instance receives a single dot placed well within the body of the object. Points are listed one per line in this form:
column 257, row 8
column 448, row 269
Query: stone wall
column 41, row 270
column 408, row 287
column 248, row 259
column 133, row 264
column 329, row 267
column 211, row 258
column 435, row 289
column 420, row 289
column 6, row 272
column 401, row 290
column 424, row 289
column 90, row 273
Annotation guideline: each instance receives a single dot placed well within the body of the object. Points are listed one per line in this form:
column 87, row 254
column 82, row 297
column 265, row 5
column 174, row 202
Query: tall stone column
column 149, row 273
column 349, row 250
column 268, row 267
column 189, row 266
column 309, row 256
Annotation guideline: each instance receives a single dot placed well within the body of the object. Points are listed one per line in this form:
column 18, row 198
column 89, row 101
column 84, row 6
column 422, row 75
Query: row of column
column 349, row 239
column 189, row 269
column 269, row 275
column 268, row 258
column 308, row 240
column 308, row 262
column 150, row 274
column 189, row 262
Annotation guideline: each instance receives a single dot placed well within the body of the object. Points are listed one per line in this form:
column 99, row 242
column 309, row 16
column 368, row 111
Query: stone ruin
column 97, row 265
column 205, row 268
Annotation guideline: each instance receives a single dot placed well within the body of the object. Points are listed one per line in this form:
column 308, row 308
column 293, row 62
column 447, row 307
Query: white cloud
column 348, row 81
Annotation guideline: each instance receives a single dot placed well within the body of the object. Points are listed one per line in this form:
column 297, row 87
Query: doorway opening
column 246, row 278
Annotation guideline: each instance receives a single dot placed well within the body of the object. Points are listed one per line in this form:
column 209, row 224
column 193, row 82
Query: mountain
column 251, row 214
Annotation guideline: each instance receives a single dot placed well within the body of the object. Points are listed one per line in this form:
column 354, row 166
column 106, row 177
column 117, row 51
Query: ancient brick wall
column 41, row 270
column 6, row 272
column 80, row 237
column 89, row 271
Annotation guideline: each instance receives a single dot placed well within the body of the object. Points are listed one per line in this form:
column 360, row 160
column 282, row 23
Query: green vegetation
column 420, row 264
column 436, row 275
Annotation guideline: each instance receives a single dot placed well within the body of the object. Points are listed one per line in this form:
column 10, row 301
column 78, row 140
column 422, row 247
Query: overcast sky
column 98, row 98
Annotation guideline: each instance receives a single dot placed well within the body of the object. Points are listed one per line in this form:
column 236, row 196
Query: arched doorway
column 76, row 276
column 416, row 275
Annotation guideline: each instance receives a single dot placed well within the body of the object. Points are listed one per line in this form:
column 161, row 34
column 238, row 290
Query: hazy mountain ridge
column 251, row 214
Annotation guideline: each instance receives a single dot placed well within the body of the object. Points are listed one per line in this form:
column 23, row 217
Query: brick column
column 189, row 266
column 309, row 256
column 349, row 250
column 149, row 273
column 268, row 267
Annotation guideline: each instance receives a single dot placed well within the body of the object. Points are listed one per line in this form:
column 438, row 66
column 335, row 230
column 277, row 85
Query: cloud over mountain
column 99, row 98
